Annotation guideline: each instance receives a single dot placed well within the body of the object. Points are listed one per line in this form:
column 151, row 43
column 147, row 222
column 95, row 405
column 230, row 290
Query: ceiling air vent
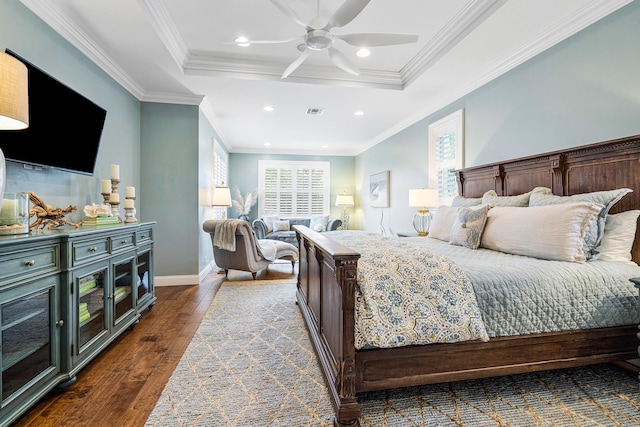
column 315, row 111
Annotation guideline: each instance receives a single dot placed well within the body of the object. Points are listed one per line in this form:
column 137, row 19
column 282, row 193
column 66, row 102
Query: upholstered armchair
column 235, row 247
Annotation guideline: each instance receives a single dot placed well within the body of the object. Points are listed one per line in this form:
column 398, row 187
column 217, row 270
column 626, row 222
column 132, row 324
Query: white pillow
column 619, row 234
column 492, row 198
column 554, row 232
column 595, row 232
column 459, row 201
column 281, row 225
column 319, row 222
column 443, row 219
column 268, row 220
column 468, row 226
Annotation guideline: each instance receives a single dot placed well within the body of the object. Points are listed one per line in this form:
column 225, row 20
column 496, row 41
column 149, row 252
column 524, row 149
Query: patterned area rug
column 251, row 364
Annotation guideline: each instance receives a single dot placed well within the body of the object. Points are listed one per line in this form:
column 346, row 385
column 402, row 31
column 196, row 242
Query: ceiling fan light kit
column 318, row 35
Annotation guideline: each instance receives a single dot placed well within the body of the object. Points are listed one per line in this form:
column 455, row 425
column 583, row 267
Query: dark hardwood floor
column 120, row 387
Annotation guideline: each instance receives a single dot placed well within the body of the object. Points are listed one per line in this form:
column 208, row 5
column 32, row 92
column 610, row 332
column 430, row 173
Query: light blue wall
column 169, row 182
column 243, row 174
column 25, row 34
column 584, row 90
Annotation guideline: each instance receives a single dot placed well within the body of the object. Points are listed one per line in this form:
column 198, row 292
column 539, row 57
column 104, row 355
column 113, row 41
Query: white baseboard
column 185, row 280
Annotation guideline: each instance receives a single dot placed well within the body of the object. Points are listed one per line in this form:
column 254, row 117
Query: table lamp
column 423, row 198
column 344, row 200
column 14, row 102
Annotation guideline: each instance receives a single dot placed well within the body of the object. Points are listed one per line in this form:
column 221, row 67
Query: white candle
column 131, row 191
column 115, row 171
column 106, row 186
column 128, row 203
column 9, row 209
column 114, row 198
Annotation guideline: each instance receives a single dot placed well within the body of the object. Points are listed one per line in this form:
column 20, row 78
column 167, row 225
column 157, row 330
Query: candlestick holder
column 105, row 198
column 130, row 213
column 114, row 185
column 115, row 210
column 115, row 206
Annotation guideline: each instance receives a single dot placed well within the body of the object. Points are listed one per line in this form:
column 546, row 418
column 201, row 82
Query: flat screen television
column 64, row 127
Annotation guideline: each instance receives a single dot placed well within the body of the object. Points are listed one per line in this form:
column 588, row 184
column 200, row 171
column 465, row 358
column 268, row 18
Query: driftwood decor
column 47, row 215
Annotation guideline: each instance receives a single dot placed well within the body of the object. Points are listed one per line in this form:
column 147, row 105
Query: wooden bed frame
column 328, row 271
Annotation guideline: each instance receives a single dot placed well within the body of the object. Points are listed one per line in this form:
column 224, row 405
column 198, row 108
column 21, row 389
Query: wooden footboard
column 326, row 290
column 326, row 296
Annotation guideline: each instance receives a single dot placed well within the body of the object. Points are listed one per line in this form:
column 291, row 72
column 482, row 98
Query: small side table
column 636, row 282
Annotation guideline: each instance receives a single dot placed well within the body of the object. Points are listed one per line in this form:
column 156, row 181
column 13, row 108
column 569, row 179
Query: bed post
column 348, row 413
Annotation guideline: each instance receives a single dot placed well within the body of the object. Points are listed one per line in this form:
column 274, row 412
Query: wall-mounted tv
column 64, row 127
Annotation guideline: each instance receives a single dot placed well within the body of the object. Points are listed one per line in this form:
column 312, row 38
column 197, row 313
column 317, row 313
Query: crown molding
column 205, row 63
column 465, row 21
column 172, row 98
column 51, row 15
column 166, row 30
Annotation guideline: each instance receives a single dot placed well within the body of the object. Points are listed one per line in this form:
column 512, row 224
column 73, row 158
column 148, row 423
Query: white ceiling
column 181, row 51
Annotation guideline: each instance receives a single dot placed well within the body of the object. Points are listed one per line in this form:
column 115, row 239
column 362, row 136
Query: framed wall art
column 379, row 190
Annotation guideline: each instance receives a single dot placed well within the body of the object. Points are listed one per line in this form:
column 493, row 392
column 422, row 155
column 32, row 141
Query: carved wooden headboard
column 602, row 166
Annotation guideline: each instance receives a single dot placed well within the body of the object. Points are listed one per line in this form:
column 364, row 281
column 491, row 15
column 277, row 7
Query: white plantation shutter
column 446, row 142
column 293, row 189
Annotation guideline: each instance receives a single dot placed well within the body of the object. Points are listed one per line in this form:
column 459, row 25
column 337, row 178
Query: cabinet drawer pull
column 143, row 236
column 30, row 263
column 94, row 249
column 123, row 241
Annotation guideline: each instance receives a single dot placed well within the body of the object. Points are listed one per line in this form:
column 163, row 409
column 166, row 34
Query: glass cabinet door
column 122, row 296
column 26, row 339
column 144, row 280
column 91, row 305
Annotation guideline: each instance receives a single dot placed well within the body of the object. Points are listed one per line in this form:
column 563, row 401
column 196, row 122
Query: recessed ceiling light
column 325, row 146
column 242, row 41
column 359, row 113
column 268, row 108
column 267, row 144
column 363, row 53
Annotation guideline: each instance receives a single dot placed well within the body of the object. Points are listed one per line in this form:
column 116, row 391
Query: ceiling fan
column 319, row 37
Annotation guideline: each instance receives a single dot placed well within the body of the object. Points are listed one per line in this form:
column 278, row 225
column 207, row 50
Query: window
column 293, row 189
column 446, row 141
column 220, row 162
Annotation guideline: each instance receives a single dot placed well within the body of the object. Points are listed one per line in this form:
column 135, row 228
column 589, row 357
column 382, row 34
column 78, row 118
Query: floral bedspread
column 408, row 295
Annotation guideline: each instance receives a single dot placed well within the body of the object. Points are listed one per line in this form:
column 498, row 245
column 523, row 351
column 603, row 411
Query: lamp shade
column 423, row 197
column 14, row 93
column 221, row 196
column 344, row 200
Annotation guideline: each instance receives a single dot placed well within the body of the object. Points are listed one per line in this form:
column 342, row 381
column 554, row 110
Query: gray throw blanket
column 225, row 234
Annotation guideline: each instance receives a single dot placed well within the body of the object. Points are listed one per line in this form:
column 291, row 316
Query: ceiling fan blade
column 377, row 39
column 295, row 64
column 341, row 61
column 288, row 10
column 346, row 13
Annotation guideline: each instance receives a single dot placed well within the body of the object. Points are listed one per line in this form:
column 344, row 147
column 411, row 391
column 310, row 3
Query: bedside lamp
column 344, row 201
column 14, row 102
column 423, row 198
